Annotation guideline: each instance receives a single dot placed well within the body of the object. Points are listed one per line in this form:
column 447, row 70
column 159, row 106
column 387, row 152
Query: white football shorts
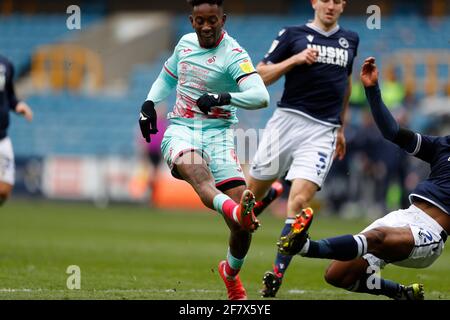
column 427, row 233
column 296, row 144
column 7, row 167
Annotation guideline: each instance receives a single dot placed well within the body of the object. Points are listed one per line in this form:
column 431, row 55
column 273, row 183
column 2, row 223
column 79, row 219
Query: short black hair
column 194, row 3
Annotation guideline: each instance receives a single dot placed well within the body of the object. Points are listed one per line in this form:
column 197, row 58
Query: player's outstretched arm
column 388, row 126
column 159, row 91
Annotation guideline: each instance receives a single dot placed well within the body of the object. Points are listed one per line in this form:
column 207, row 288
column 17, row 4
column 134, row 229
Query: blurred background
column 86, row 87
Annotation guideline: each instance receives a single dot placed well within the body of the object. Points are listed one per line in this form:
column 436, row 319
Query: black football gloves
column 207, row 101
column 147, row 120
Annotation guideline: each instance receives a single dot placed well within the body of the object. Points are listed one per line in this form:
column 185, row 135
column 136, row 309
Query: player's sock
column 372, row 284
column 225, row 206
column 260, row 206
column 233, row 265
column 341, row 248
column 282, row 261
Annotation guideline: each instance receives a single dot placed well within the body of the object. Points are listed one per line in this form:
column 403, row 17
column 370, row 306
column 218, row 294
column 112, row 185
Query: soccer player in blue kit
column 412, row 238
column 8, row 102
column 213, row 75
column 306, row 132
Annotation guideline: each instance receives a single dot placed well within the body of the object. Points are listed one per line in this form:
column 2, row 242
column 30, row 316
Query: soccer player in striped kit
column 213, row 75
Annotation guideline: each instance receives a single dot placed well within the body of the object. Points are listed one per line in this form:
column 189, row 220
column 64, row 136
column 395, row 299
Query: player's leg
column 184, row 153
column 259, row 187
column 192, row 168
column 387, row 243
column 265, row 191
column 5, row 192
column 238, row 246
column 229, row 178
column 408, row 238
column 312, row 157
column 360, row 276
column 271, row 160
column 240, row 239
column 301, row 193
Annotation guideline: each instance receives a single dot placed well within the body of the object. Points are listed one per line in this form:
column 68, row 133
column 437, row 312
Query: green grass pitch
column 132, row 252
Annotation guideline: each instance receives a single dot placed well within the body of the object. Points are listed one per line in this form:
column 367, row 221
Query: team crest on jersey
column 211, row 60
column 246, row 66
column 187, row 50
column 344, row 43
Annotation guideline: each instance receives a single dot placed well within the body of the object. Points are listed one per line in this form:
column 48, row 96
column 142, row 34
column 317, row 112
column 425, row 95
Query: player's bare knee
column 197, row 175
column 335, row 276
column 4, row 195
column 375, row 240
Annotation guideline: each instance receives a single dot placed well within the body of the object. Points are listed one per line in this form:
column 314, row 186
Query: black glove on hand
column 207, row 101
column 147, row 120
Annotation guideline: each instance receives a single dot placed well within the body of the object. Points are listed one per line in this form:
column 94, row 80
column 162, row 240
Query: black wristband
column 225, row 99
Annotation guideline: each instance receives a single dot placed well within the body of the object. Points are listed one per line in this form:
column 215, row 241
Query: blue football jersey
column 435, row 189
column 8, row 100
column 316, row 90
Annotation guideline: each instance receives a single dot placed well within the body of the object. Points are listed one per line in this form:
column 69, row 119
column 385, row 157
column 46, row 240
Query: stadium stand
column 77, row 123
column 22, row 34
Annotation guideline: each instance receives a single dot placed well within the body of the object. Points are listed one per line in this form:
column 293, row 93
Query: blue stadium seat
column 68, row 123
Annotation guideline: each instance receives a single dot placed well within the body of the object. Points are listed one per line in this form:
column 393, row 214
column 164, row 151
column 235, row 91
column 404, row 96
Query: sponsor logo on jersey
column 237, row 50
column 246, row 66
column 186, row 51
column 448, row 158
column 331, row 55
column 344, row 43
column 310, row 37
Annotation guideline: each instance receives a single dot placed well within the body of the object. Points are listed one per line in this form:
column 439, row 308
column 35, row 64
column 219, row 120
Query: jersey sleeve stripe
column 419, row 143
column 244, row 76
column 170, row 73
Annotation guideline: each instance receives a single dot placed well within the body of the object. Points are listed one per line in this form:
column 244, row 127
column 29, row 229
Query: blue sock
column 377, row 286
column 341, row 248
column 282, row 261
